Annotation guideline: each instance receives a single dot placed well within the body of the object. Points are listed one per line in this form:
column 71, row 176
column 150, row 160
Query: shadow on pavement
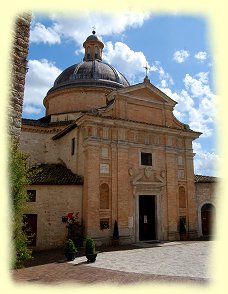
column 57, row 255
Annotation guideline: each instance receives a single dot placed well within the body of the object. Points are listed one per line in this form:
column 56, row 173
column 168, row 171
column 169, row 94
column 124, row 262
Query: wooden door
column 31, row 228
column 207, row 215
column 206, row 222
column 147, row 219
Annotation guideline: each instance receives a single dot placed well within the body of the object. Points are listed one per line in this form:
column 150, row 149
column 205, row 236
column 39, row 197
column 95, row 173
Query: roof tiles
column 53, row 174
column 205, row 179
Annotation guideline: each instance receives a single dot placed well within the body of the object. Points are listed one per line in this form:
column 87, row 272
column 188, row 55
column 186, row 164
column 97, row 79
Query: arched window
column 104, row 196
column 182, row 198
column 96, row 52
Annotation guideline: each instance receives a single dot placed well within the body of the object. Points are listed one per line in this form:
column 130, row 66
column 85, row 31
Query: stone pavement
column 168, row 261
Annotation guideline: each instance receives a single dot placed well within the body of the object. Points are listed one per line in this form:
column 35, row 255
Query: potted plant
column 90, row 250
column 70, row 250
column 115, row 237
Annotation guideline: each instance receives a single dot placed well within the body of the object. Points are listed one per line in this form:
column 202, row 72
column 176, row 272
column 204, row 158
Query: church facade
column 112, row 152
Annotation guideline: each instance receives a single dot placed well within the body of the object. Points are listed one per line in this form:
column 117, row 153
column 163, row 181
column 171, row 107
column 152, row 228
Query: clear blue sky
column 175, row 47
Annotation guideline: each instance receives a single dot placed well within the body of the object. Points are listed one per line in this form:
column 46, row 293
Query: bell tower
column 93, row 48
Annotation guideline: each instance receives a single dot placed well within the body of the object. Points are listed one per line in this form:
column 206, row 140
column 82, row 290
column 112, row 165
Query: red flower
column 71, row 219
column 70, row 215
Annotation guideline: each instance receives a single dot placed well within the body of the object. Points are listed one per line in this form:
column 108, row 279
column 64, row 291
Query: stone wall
column 53, row 202
column 205, row 194
column 19, row 68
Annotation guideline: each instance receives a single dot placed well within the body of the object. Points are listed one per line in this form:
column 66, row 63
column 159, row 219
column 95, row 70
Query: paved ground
column 163, row 262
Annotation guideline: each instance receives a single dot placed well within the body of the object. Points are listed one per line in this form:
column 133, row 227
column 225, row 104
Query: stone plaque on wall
column 104, row 168
column 180, row 174
column 104, row 152
column 180, row 160
column 130, row 222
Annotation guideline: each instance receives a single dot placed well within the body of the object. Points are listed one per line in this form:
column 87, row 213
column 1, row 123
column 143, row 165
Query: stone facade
column 19, row 68
column 112, row 150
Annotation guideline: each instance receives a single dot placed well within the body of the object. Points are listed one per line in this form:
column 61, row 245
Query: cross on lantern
column 93, row 30
column 147, row 68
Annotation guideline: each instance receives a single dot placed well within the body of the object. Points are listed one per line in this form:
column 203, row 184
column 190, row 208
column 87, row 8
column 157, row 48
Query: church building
column 109, row 151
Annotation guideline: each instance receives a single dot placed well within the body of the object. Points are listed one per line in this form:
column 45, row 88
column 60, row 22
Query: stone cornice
column 121, row 123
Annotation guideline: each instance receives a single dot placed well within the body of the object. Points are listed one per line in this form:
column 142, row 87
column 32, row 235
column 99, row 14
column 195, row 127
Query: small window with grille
column 104, row 223
column 31, row 195
column 146, row 158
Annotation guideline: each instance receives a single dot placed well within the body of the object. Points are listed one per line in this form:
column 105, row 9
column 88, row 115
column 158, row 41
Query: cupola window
column 96, row 52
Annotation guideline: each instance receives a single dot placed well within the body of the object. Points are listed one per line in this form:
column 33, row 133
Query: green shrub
column 90, row 246
column 69, row 246
column 18, row 180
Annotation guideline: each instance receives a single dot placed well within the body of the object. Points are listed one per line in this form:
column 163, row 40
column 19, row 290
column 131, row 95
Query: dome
column 90, row 73
column 85, row 85
column 92, row 38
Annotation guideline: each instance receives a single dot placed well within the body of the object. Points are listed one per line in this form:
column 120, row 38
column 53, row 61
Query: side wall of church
column 34, row 144
column 52, row 203
column 43, row 149
column 66, row 150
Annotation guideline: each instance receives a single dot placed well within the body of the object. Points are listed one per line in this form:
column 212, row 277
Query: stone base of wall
column 126, row 240
column 106, row 241
column 192, row 235
column 173, row 236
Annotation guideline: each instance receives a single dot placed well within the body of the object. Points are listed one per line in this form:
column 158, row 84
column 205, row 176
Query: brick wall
column 69, row 100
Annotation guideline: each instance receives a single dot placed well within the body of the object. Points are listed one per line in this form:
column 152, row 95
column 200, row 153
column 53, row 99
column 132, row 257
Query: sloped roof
column 205, row 179
column 53, row 174
column 43, row 123
column 65, row 131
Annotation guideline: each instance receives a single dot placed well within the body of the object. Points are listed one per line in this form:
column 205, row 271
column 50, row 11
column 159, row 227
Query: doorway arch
column 207, row 219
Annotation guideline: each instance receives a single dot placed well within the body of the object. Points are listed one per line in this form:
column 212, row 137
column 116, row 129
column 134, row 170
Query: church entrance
column 147, row 218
